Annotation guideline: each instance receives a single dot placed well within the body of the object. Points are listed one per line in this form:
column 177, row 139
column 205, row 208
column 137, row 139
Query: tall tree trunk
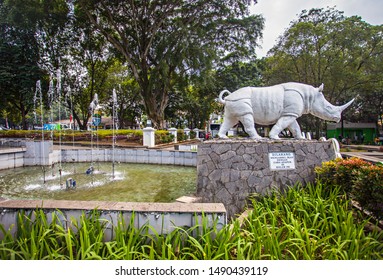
column 155, row 104
column 155, row 113
column 23, row 117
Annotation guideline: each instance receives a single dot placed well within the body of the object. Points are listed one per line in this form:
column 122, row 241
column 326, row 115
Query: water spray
column 95, row 112
column 114, row 115
column 58, row 89
column 39, row 92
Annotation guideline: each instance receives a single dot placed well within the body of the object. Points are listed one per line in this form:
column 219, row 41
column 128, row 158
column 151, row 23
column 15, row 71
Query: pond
column 129, row 182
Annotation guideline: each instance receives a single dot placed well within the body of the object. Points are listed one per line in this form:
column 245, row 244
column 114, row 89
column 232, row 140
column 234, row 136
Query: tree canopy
column 19, row 67
column 324, row 46
column 162, row 41
column 168, row 60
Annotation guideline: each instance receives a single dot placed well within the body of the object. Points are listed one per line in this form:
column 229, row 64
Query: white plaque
column 282, row 161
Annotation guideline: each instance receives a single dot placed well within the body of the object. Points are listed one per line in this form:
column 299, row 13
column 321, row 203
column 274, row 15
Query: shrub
column 368, row 189
column 340, row 172
column 357, row 178
column 346, row 172
column 326, row 173
column 181, row 136
column 192, row 134
column 163, row 136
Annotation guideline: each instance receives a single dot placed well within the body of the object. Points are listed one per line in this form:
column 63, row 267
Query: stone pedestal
column 229, row 171
column 149, row 137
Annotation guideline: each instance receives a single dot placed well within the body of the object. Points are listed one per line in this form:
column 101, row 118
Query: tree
column 129, row 103
column 191, row 106
column 85, row 72
column 25, row 26
column 323, row 46
column 241, row 74
column 19, row 69
column 162, row 40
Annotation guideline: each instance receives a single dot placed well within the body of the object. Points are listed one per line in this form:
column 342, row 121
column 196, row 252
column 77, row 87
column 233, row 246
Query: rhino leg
column 248, row 124
column 228, row 123
column 281, row 124
column 295, row 130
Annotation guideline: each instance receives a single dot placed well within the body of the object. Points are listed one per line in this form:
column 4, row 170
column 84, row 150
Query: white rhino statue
column 280, row 105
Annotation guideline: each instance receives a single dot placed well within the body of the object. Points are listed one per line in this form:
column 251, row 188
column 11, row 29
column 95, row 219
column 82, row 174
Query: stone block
column 241, row 167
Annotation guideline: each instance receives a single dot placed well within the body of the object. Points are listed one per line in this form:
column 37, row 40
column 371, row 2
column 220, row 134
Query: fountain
column 115, row 126
column 38, row 92
column 142, row 182
column 50, row 104
column 141, row 178
column 132, row 182
column 58, row 89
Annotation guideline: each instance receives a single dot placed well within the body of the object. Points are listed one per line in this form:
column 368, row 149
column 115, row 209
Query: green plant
column 309, row 223
column 181, row 136
column 305, row 222
column 39, row 239
column 340, row 172
column 361, row 180
column 192, row 134
column 368, row 189
column 163, row 137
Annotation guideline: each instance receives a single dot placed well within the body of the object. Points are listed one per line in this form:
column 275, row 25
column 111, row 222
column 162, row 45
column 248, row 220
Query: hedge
column 358, row 179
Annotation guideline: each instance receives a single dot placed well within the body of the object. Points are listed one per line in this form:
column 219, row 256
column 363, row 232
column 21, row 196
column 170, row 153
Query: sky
column 279, row 13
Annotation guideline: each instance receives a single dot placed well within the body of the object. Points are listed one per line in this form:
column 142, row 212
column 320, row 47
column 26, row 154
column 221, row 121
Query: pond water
column 128, row 182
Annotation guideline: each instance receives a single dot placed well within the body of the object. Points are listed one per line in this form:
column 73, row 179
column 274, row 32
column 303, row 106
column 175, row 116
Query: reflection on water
column 131, row 182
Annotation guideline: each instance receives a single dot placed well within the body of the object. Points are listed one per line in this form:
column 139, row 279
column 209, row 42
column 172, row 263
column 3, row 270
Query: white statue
column 280, row 105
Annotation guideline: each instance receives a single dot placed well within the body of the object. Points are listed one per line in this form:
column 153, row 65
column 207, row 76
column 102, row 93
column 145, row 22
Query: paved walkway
column 373, row 153
column 371, row 157
column 363, row 147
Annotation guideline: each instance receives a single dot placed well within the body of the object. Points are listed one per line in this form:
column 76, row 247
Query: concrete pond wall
column 162, row 217
column 32, row 153
column 151, row 156
column 229, row 171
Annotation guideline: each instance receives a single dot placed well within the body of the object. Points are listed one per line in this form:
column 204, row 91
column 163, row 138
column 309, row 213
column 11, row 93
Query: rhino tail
column 220, row 97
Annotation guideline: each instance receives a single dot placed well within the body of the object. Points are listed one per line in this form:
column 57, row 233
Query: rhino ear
column 320, row 89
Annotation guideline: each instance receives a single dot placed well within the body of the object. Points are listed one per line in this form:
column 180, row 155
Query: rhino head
column 323, row 109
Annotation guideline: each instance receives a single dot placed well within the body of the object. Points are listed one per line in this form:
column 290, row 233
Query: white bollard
column 149, row 139
column 173, row 131
column 196, row 130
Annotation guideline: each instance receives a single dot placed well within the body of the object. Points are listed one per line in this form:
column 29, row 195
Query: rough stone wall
column 231, row 170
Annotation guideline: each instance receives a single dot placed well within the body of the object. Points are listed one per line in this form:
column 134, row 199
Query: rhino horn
column 343, row 107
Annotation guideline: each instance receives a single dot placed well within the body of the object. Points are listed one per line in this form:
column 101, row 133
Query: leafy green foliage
column 164, row 42
column 340, row 172
column 358, row 179
column 19, row 70
column 368, row 189
column 344, row 53
column 241, row 74
column 312, row 222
